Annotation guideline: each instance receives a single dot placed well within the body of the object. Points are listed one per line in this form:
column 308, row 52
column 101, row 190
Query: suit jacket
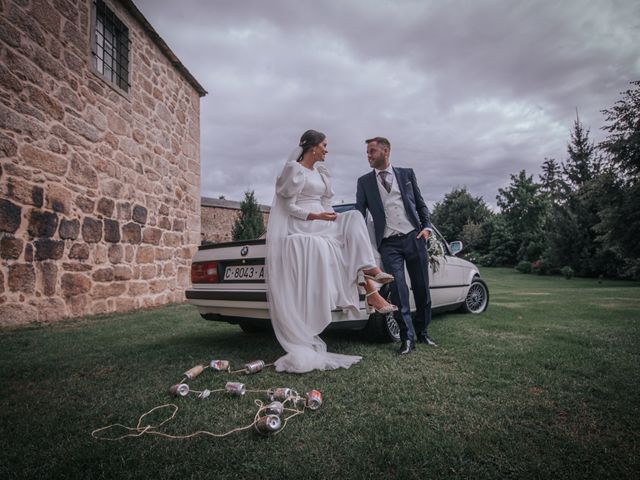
column 368, row 198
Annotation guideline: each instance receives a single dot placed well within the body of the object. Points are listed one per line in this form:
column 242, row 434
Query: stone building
column 99, row 161
column 218, row 217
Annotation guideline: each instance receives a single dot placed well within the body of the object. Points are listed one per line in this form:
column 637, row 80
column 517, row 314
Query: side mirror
column 455, row 247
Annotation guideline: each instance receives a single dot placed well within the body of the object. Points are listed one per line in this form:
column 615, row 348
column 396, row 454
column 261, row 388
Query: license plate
column 244, row 272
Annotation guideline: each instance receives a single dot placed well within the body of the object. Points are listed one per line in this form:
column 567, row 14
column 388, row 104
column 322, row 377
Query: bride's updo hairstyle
column 310, row 139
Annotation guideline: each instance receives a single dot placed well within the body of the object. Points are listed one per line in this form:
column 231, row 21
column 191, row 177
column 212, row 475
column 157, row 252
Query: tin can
column 314, row 399
column 194, row 372
column 235, row 388
column 219, row 365
column 254, row 367
column 280, row 394
column 179, row 390
column 204, row 394
column 268, row 424
column 274, row 408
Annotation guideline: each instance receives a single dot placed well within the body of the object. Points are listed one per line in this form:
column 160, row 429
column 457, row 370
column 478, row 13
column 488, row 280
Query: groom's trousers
column 395, row 252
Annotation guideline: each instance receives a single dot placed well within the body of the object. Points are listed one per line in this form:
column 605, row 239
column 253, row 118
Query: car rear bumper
column 233, row 304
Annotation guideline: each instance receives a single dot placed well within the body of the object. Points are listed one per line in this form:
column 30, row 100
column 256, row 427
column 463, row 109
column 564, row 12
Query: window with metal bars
column 110, row 50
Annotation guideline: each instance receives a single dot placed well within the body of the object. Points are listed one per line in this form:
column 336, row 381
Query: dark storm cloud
column 469, row 92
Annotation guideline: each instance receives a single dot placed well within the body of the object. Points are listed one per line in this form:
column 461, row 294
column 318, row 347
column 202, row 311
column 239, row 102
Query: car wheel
column 382, row 328
column 477, row 299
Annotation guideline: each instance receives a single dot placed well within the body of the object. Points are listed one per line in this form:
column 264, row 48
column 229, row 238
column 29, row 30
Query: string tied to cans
column 181, row 388
column 270, row 418
column 252, row 367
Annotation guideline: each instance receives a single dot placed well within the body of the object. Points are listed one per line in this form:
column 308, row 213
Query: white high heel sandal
column 382, row 278
column 389, row 308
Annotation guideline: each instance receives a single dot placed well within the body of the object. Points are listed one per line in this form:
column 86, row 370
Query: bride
column 315, row 261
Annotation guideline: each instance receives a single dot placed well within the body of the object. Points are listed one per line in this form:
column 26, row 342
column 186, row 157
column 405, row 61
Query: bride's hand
column 328, row 216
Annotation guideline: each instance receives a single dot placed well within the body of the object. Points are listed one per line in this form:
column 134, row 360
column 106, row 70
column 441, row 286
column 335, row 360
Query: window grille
column 111, row 46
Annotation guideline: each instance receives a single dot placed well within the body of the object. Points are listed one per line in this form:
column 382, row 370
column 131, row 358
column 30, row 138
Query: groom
column 402, row 227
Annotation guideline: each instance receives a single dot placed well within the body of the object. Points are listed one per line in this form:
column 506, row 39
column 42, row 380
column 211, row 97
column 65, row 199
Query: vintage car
column 228, row 285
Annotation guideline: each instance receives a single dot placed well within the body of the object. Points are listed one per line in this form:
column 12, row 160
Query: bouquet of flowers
column 436, row 253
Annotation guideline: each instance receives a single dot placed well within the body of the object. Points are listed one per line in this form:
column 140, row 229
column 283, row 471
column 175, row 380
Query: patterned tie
column 384, row 176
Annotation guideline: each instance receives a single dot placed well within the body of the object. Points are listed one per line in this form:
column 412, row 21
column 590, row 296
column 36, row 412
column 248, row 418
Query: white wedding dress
column 312, row 267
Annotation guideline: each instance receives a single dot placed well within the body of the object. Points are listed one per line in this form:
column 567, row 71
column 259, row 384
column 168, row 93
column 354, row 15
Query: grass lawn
column 545, row 384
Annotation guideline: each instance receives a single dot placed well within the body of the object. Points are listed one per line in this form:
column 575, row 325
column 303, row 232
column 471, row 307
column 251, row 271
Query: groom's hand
column 424, row 234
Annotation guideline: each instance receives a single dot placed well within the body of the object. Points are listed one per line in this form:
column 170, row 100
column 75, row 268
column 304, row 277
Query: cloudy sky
column 468, row 92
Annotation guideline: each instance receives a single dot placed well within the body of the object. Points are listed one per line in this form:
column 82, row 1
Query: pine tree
column 582, row 164
column 551, row 183
column 571, row 235
column 249, row 224
column 620, row 197
column 623, row 143
column 523, row 209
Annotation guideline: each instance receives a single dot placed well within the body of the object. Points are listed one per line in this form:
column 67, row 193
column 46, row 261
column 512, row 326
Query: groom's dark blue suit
column 398, row 250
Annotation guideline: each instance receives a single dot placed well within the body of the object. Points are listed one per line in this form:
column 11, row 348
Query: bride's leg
column 358, row 248
column 377, row 275
column 368, row 274
column 375, row 300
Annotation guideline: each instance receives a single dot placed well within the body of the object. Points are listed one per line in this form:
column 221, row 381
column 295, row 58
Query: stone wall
column 218, row 217
column 99, row 190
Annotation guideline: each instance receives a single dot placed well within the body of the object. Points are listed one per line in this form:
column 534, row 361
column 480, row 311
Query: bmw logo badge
column 244, row 250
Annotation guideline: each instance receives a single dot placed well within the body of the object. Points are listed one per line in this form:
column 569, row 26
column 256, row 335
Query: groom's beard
column 377, row 162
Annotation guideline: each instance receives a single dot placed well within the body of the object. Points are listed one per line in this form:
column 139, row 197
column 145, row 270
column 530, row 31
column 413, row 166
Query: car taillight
column 204, row 272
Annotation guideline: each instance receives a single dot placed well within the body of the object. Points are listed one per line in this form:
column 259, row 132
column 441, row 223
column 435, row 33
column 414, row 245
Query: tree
column 563, row 240
column 503, row 245
column 523, row 208
column 249, row 224
column 622, row 145
column 583, row 164
column 458, row 209
column 551, row 183
column 620, row 217
column 619, row 198
column 477, row 236
column 571, row 236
